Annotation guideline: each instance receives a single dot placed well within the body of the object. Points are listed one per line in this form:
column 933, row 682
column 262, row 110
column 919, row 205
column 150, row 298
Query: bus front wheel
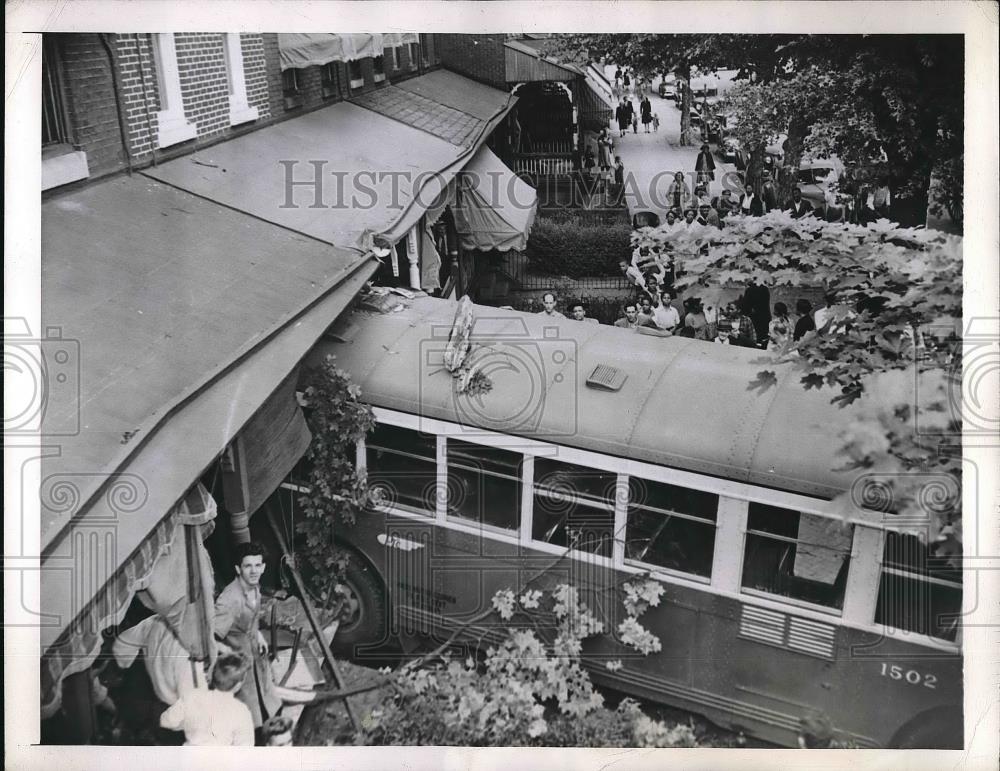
column 365, row 618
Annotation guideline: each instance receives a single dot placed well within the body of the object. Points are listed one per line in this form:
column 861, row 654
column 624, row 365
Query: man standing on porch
column 237, row 625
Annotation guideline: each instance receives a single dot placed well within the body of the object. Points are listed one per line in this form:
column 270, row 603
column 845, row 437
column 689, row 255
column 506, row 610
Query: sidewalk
column 652, row 159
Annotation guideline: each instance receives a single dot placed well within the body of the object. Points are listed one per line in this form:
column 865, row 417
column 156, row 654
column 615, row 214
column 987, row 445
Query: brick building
column 114, row 102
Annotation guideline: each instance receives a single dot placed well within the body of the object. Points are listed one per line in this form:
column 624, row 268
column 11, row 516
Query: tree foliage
column 892, row 345
column 892, row 100
column 530, row 689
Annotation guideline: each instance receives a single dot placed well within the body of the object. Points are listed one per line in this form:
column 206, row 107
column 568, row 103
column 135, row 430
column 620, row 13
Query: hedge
column 577, row 248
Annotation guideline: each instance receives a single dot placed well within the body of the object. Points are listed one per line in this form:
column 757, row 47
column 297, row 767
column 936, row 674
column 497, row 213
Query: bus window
column 671, row 527
column 484, row 484
column 574, row 506
column 797, row 555
column 402, row 467
column 919, row 592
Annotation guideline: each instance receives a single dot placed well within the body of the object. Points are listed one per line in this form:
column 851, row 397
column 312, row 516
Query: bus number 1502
column 912, row 676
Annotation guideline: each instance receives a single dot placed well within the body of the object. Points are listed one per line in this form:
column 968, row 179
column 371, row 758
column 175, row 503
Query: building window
column 378, row 64
column 240, row 110
column 329, row 80
column 397, row 53
column 61, row 163
column 484, row 484
column 671, row 527
column 919, row 591
column 402, row 468
column 797, row 555
column 173, row 126
column 414, row 50
column 53, row 117
column 573, row 506
column 357, row 78
column 290, row 88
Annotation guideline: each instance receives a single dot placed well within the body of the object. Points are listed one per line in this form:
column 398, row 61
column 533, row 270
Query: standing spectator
column 604, row 146
column 645, row 318
column 215, row 717
column 805, row 321
column 779, row 331
column 705, row 165
column 630, row 319
column 882, row 198
column 549, row 306
column 695, row 320
column 671, row 223
column 623, row 117
column 824, row 313
column 707, row 216
column 579, row 313
column 632, row 273
column 665, row 315
column 619, row 189
column 768, row 194
column 757, row 305
column 741, row 330
column 237, row 624
column 750, row 204
column 646, row 110
column 798, row 205
column 678, row 194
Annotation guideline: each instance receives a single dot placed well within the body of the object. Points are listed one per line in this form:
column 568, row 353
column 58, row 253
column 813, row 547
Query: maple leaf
column 765, row 380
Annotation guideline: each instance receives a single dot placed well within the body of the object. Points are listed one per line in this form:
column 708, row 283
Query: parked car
column 818, row 180
column 668, row 88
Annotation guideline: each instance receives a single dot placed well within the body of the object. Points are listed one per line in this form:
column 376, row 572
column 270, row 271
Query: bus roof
column 684, row 404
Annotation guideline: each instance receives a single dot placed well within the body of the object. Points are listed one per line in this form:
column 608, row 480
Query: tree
column 892, row 346
column 895, row 101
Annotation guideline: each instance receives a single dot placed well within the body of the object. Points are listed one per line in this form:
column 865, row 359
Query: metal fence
column 543, row 165
column 518, row 269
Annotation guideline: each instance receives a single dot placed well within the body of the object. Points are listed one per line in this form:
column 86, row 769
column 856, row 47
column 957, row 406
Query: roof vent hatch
column 607, row 378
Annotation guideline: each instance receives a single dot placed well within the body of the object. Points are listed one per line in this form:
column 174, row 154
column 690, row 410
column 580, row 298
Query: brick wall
column 204, row 81
column 480, row 57
column 140, row 95
column 89, row 101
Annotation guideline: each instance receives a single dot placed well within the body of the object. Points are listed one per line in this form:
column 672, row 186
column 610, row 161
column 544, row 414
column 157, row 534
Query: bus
column 601, row 455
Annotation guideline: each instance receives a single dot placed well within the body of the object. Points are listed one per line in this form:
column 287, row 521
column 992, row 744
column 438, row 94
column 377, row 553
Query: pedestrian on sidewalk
column 604, row 146
column 678, row 195
column 705, row 165
column 646, row 110
column 623, row 117
column 626, row 80
column 619, row 188
column 656, row 121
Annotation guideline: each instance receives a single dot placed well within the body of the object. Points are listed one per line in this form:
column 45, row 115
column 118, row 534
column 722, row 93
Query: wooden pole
column 329, row 664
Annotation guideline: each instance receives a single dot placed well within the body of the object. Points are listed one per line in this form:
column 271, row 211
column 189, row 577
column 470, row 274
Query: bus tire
column 367, row 622
column 938, row 729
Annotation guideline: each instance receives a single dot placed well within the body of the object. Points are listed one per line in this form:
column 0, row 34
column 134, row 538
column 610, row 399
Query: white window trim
column 396, row 58
column 173, row 126
column 240, row 110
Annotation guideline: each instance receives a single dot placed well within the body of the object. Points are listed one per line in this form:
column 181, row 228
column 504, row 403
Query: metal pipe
column 116, row 87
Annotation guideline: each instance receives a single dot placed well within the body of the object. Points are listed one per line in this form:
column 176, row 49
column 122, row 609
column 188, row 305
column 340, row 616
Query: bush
column 576, row 247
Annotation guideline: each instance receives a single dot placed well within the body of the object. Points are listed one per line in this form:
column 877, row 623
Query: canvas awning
column 495, row 207
column 298, row 50
column 185, row 318
column 345, row 172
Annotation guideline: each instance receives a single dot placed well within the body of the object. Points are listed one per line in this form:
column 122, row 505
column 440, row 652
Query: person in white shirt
column 215, row 717
column 665, row 315
column 549, row 303
column 631, row 272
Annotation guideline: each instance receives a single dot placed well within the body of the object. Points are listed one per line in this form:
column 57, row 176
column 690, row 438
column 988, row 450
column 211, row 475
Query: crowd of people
column 750, row 321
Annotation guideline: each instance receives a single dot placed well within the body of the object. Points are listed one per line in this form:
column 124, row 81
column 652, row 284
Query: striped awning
column 297, row 50
column 80, row 642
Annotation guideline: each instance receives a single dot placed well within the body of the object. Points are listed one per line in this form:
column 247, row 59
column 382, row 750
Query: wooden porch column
column 78, row 704
column 235, row 491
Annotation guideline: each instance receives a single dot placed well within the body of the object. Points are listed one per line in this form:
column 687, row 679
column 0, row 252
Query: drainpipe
column 116, row 84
